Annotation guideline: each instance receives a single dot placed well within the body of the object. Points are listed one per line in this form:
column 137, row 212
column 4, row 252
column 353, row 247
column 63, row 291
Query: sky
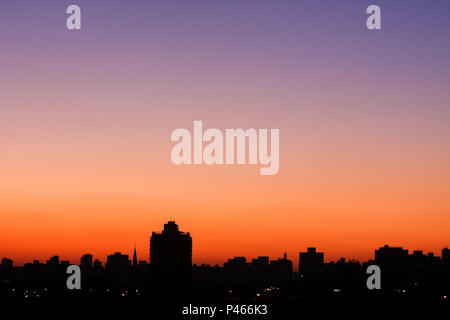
column 86, row 118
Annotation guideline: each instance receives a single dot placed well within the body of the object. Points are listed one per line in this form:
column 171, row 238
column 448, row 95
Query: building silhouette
column 86, row 270
column 281, row 270
column 86, row 262
column 390, row 256
column 260, row 272
column 118, row 270
column 170, row 258
column 235, row 271
column 310, row 261
column 446, row 256
column 7, row 264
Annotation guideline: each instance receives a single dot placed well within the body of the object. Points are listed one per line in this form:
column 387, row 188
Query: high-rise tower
column 171, row 257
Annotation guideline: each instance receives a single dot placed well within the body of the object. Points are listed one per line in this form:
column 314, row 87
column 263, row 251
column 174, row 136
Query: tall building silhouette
column 86, row 270
column 6, row 269
column 446, row 255
column 171, row 258
column 86, row 262
column 395, row 262
column 310, row 261
column 118, row 269
column 235, row 271
column 7, row 263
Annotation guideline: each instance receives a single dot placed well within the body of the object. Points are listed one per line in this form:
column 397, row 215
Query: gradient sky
column 86, row 118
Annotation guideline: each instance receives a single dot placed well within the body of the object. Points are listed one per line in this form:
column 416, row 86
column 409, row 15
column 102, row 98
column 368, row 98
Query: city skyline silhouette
column 171, row 224
column 170, row 283
column 170, row 271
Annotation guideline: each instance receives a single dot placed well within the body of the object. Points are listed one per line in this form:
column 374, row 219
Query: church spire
column 135, row 257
